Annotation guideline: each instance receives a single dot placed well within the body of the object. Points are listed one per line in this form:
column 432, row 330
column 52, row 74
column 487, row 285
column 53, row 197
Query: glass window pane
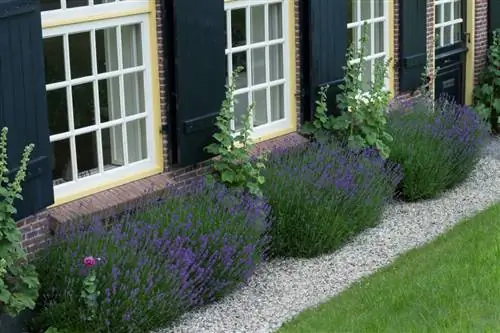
column 136, row 140
column 457, row 9
column 457, row 32
column 86, row 153
column 240, row 59
column 351, row 11
column 447, row 12
column 276, row 61
column 83, row 105
column 437, row 14
column 368, row 44
column 50, row 4
column 61, row 162
column 447, row 35
column 238, row 27
column 379, row 37
column 54, row 59
column 134, row 93
column 76, row 3
column 275, row 21
column 57, row 108
column 353, row 36
column 260, row 110
column 131, row 45
column 109, row 99
column 107, row 50
column 379, row 8
column 240, row 109
column 437, row 36
column 258, row 65
column 367, row 75
column 258, row 24
column 99, row 2
column 277, row 102
column 365, row 9
column 112, row 147
column 80, row 56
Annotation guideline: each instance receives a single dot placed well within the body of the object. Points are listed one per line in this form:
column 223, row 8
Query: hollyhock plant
column 173, row 254
column 321, row 194
column 90, row 292
column 437, row 143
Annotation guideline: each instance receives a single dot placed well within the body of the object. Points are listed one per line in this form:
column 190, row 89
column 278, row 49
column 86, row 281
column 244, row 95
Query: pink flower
column 89, row 261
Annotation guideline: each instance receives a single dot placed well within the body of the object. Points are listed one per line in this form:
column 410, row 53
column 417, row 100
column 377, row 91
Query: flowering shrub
column 322, row 194
column 363, row 106
column 436, row 143
column 19, row 285
column 156, row 263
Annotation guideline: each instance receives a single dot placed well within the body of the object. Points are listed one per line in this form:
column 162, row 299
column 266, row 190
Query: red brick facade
column 480, row 37
column 36, row 228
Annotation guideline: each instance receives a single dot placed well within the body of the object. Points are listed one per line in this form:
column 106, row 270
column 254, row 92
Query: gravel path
column 282, row 289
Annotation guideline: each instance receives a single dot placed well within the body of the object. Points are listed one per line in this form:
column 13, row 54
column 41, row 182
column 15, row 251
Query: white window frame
column 59, row 16
column 271, row 126
column 358, row 25
column 103, row 175
column 439, row 27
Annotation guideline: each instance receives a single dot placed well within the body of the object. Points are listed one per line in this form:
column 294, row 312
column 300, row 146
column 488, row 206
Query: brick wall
column 35, row 231
column 480, row 37
column 36, row 228
column 297, row 62
column 162, row 79
column 430, row 45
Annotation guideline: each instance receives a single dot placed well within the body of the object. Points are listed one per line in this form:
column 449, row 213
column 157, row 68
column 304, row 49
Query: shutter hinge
column 467, row 37
column 164, row 129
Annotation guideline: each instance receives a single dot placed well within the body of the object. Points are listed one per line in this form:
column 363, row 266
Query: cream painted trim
column 105, row 186
column 469, row 62
column 53, row 18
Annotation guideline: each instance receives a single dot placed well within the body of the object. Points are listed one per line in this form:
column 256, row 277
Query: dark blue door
column 451, row 50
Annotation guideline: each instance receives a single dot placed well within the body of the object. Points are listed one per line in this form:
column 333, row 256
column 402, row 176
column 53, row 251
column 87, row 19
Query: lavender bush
column 322, row 194
column 156, row 263
column 437, row 144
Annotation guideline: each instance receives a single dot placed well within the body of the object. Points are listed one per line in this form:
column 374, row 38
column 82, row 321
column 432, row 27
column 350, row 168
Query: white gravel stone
column 282, row 289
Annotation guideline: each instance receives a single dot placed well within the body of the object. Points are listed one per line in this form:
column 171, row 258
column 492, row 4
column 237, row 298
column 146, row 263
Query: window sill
column 108, row 201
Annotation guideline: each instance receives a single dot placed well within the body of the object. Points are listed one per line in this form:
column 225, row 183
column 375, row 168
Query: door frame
column 455, row 54
column 470, row 9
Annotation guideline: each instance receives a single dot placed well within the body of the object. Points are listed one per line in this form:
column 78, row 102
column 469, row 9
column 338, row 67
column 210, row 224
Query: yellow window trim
column 105, row 186
column 111, row 15
column 156, row 114
column 469, row 61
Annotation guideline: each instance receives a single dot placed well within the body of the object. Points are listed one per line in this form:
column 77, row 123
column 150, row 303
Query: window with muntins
column 256, row 40
column 98, row 82
column 449, row 21
column 375, row 14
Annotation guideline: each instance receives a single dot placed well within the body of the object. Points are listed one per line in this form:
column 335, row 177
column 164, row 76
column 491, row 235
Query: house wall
column 36, row 228
column 480, row 37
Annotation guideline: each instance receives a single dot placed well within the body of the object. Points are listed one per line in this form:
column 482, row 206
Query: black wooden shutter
column 200, row 71
column 23, row 102
column 493, row 17
column 412, row 43
column 327, row 49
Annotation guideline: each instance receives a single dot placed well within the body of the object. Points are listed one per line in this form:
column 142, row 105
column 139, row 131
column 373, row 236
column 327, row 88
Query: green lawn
column 449, row 285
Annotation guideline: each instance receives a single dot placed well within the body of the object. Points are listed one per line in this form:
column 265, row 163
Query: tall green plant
column 487, row 92
column 19, row 283
column 235, row 166
column 363, row 112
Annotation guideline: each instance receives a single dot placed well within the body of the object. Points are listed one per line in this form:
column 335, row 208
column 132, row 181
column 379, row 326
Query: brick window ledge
column 109, row 202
